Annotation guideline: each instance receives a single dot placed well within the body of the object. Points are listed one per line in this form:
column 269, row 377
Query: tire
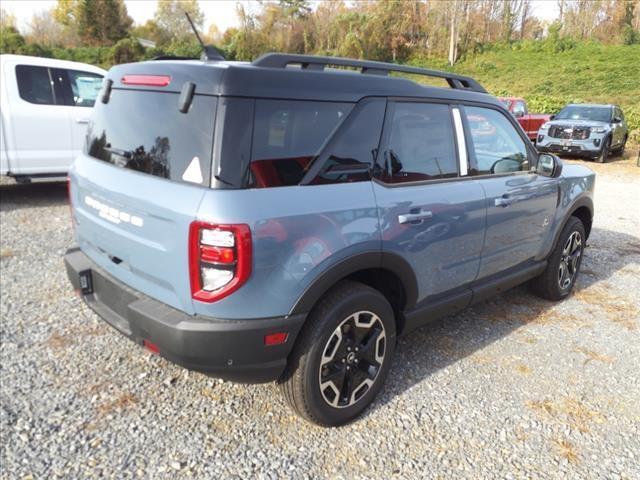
column 620, row 151
column 603, row 156
column 554, row 283
column 314, row 383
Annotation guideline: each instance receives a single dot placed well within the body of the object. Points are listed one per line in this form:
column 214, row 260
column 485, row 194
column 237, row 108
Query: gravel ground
column 513, row 388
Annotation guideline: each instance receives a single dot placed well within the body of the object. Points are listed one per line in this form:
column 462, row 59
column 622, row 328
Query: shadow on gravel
column 444, row 342
column 17, row 197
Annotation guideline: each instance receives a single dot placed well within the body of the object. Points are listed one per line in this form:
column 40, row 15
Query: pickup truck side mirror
column 549, row 165
column 552, row 117
column 518, row 114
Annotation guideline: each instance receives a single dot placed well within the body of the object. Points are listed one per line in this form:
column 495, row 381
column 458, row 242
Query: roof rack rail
column 173, row 57
column 312, row 62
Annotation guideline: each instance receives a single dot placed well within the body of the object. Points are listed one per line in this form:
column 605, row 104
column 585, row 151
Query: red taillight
column 152, row 347
column 147, row 80
column 219, row 259
column 275, row 338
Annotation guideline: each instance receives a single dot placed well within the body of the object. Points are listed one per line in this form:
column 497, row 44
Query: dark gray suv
column 592, row 131
column 285, row 221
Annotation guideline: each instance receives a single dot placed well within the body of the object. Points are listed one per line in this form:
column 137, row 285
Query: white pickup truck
column 46, row 105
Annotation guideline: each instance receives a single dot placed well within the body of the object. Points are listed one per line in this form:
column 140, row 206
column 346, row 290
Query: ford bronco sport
column 285, row 220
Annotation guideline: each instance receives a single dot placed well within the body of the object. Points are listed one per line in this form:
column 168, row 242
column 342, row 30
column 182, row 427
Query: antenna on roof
column 209, row 52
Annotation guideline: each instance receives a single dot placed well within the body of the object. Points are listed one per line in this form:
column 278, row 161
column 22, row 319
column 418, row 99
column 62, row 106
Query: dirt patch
column 568, row 411
column 124, row 401
column 616, row 308
column 593, row 356
column 566, row 449
column 59, row 342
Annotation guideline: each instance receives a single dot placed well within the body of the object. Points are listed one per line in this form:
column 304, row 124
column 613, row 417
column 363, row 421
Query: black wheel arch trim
column 581, row 202
column 356, row 263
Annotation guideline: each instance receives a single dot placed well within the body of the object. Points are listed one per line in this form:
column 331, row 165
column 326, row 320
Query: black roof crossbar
column 311, row 62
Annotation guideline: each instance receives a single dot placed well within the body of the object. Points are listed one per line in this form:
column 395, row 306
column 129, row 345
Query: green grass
column 550, row 75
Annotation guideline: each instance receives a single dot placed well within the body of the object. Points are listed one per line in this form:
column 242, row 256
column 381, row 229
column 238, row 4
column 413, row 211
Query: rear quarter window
column 287, row 135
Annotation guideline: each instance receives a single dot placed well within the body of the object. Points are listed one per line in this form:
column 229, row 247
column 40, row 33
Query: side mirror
column 549, row 165
column 518, row 114
column 552, row 117
column 617, row 120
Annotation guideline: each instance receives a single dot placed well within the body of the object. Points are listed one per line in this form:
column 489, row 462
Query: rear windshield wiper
column 120, row 152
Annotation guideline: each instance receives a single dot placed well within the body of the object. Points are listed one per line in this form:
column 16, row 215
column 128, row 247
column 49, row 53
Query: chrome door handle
column 414, row 217
column 82, row 120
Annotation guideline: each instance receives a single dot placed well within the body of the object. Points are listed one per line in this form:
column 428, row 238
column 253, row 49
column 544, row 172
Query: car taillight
column 147, row 80
column 219, row 259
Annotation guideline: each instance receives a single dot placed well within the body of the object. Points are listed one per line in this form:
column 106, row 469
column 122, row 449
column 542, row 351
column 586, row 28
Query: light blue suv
column 286, row 221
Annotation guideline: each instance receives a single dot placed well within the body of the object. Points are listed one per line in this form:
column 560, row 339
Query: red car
column 530, row 122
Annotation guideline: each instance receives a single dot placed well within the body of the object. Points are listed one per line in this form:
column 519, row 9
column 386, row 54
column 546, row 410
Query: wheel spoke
column 352, row 359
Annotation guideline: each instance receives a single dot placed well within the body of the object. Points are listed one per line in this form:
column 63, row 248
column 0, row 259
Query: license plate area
column 86, row 282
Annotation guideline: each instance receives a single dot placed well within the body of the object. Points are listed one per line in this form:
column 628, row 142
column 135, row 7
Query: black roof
column 271, row 76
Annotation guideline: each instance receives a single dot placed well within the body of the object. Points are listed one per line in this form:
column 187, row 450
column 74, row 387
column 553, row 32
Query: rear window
column 287, row 135
column 145, row 131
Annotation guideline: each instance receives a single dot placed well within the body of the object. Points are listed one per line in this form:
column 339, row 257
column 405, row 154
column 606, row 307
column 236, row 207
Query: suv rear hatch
column 145, row 169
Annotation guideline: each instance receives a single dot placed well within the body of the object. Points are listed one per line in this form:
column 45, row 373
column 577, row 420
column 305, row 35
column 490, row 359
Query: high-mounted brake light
column 147, row 80
column 219, row 259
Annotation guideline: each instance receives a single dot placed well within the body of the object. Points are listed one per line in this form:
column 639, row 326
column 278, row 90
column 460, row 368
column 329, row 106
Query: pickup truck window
column 519, row 108
column 421, row 145
column 497, row 146
column 79, row 89
column 34, row 85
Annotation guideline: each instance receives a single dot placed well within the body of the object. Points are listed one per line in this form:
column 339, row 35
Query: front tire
column 604, row 152
column 563, row 265
column 342, row 355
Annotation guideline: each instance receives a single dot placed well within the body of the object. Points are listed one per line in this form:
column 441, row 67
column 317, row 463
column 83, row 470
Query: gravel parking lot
column 515, row 387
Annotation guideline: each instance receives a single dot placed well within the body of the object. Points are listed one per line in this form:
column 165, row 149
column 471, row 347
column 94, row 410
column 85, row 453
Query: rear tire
column 342, row 355
column 563, row 264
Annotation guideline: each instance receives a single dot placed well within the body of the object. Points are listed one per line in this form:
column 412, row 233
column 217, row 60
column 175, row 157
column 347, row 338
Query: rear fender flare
column 353, row 264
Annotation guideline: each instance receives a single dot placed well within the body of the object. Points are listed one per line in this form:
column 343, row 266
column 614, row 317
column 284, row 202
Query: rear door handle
column 82, row 120
column 503, row 201
column 414, row 217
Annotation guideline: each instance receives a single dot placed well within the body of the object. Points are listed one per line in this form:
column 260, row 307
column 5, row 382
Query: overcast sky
column 220, row 12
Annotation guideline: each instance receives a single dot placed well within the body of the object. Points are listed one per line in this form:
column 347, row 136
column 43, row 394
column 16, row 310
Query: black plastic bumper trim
column 229, row 349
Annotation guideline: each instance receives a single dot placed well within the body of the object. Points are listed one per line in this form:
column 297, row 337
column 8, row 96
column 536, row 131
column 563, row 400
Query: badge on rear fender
column 193, row 173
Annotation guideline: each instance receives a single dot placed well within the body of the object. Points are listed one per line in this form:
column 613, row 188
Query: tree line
column 102, row 32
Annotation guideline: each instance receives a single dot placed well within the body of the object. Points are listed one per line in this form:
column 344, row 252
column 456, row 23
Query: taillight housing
column 219, row 259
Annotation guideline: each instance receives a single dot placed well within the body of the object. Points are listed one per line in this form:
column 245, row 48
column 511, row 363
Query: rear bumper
column 229, row 349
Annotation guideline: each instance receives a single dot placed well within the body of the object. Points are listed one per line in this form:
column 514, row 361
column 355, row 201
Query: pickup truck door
column 40, row 127
column 431, row 214
column 520, row 203
column 79, row 89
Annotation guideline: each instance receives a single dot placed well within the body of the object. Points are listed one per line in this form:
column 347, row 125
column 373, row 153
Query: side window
column 34, row 85
column 77, row 88
column 352, row 152
column 85, row 87
column 619, row 113
column 497, row 145
column 420, row 143
column 519, row 109
column 287, row 135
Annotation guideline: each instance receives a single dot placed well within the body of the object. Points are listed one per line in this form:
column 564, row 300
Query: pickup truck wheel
column 558, row 278
column 603, row 156
column 342, row 355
